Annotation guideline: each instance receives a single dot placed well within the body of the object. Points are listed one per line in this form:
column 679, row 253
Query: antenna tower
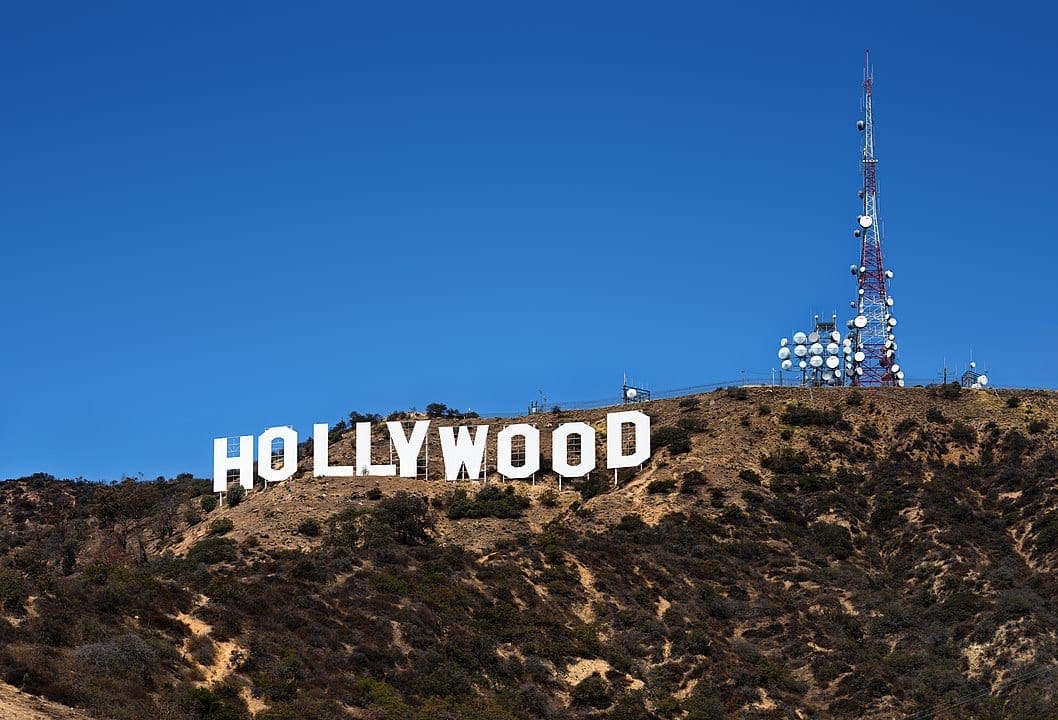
column 872, row 360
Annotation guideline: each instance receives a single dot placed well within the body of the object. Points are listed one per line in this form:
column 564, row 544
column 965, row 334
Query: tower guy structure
column 870, row 346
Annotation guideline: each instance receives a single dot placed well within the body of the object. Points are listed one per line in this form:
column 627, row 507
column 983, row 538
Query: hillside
column 784, row 553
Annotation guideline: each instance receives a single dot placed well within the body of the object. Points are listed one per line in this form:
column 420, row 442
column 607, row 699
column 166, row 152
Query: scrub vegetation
column 849, row 554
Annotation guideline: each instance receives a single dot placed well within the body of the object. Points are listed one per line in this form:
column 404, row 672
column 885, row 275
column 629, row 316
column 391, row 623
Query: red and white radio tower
column 870, row 347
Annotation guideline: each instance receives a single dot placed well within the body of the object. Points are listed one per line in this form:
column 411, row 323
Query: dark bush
column 690, row 403
column 736, row 393
column 855, row 398
column 692, row 480
column 548, row 498
column 675, row 439
column 212, row 550
column 209, row 503
column 1038, row 426
column 374, row 493
column 236, row 495
column 221, row 526
column 962, row 434
column 1013, row 401
column 490, row 501
column 309, row 527
column 750, row 476
column 592, row 691
column 786, row 461
column 798, row 414
column 935, row 415
column 661, row 485
column 408, row 516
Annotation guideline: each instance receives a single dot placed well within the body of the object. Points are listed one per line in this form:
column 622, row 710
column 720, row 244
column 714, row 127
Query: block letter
column 463, row 451
column 264, row 454
column 615, row 424
column 532, row 451
column 408, row 448
column 243, row 462
column 321, row 456
column 363, row 454
column 560, row 449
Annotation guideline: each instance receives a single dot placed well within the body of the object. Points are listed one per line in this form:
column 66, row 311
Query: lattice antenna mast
column 873, row 357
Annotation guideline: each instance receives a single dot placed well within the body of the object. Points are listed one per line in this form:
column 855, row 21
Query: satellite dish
column 860, row 125
column 799, row 338
column 783, row 342
column 787, row 364
column 860, row 321
column 900, row 375
column 858, row 371
column 853, row 269
column 856, row 233
column 784, row 352
column 895, row 368
column 630, row 393
column 835, row 336
column 865, row 221
column 813, row 337
column 982, row 380
column 975, row 386
column 802, row 364
column 833, row 348
column 852, row 304
column 859, row 356
column 889, row 353
column 828, row 376
column 833, row 362
column 837, row 373
column 816, row 361
column 862, row 269
column 887, row 344
column 816, row 349
column 972, row 364
column 861, row 194
column 892, row 322
column 861, row 291
column 889, row 301
column 900, row 383
column 889, row 273
column 800, row 350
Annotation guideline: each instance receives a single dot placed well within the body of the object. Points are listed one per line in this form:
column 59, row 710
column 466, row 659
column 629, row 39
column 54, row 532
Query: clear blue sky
column 218, row 217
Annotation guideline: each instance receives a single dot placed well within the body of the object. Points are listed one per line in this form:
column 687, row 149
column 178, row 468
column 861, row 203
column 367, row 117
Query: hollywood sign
column 459, row 449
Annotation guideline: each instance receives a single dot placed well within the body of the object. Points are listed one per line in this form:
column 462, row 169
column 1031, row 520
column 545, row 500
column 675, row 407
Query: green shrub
column 690, row 403
column 692, row 480
column 548, row 498
column 212, row 550
column 592, row 691
column 661, row 485
column 736, row 393
column 855, row 398
column 408, row 516
column 962, row 434
column 1038, row 426
column 934, row 415
column 750, row 476
column 676, row 439
column 236, row 495
column 798, row 414
column 309, row 527
column 490, row 501
column 221, row 526
column 209, row 503
column 1013, row 401
column 374, row 493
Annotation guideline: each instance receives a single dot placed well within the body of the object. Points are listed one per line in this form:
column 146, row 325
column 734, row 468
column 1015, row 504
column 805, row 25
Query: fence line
column 744, row 380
